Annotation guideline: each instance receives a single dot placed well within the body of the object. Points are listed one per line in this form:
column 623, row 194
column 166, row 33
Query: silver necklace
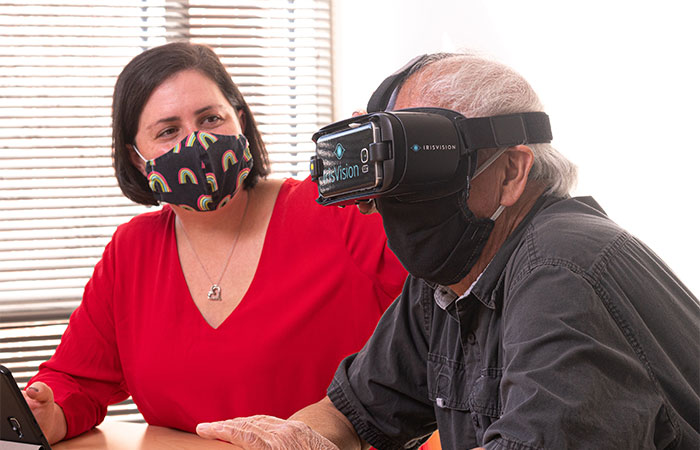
column 215, row 289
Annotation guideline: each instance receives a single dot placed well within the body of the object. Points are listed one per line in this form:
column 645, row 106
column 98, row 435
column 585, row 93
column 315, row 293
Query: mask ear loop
column 139, row 153
column 483, row 167
column 489, row 161
column 498, row 212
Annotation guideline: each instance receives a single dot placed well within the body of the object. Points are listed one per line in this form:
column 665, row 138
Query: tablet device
column 18, row 428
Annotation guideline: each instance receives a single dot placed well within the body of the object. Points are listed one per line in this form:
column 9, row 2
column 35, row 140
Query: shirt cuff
column 79, row 413
column 340, row 394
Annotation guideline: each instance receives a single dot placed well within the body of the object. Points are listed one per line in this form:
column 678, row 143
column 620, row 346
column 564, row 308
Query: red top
column 324, row 278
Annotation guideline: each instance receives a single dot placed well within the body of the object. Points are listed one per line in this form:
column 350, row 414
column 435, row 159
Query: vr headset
column 414, row 154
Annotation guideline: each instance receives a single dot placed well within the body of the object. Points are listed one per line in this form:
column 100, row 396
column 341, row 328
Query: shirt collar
column 445, row 296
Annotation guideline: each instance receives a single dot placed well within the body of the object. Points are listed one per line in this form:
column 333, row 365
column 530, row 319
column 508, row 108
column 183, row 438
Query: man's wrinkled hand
column 266, row 432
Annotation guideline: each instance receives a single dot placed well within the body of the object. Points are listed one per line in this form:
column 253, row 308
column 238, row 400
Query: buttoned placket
column 477, row 319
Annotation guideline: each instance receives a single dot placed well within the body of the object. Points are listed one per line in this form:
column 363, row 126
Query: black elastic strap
column 381, row 96
column 506, row 130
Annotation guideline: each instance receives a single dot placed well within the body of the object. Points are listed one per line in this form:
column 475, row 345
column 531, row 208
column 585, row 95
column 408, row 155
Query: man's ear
column 518, row 162
column 136, row 160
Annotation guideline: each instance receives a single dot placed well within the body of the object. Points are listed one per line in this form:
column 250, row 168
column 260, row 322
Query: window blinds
column 59, row 59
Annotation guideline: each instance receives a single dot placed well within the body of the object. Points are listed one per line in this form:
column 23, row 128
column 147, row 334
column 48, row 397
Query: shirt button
column 471, row 339
column 440, row 402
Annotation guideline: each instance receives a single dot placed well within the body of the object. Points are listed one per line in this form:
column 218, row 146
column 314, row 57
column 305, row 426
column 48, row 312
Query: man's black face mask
column 418, row 164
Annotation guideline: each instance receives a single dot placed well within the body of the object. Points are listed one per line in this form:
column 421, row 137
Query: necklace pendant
column 214, row 293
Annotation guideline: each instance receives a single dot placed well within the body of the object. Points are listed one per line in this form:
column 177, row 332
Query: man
column 557, row 330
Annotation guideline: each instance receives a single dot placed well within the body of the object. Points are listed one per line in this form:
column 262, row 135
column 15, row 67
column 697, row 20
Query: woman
column 239, row 297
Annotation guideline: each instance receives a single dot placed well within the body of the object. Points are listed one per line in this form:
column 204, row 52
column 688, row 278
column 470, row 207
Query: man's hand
column 367, row 206
column 47, row 413
column 265, row 432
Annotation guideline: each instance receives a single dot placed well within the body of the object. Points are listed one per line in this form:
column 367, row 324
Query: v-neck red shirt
column 324, row 277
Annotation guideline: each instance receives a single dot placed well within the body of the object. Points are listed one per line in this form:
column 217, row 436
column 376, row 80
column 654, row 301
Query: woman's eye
column 166, row 133
column 212, row 120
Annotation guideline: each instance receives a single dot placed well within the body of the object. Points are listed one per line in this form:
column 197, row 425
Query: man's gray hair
column 477, row 87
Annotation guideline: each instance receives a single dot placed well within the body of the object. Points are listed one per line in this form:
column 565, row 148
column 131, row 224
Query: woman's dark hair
column 134, row 86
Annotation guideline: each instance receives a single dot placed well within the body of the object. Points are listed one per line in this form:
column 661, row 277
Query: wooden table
column 136, row 436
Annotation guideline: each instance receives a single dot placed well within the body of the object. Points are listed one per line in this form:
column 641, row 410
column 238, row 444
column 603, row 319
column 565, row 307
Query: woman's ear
column 136, row 160
column 518, row 162
column 241, row 120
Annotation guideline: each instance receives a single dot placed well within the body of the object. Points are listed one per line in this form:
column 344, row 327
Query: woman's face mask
column 202, row 172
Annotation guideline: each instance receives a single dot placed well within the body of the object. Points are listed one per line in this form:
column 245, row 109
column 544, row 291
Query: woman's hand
column 265, row 432
column 47, row 413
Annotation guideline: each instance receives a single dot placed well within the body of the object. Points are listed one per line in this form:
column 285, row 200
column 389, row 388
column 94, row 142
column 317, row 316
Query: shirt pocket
column 484, row 398
column 448, row 383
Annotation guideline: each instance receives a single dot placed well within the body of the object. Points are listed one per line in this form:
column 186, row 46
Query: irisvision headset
column 416, row 153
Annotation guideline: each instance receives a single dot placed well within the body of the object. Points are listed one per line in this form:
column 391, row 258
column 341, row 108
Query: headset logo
column 339, row 151
column 340, row 172
column 417, row 147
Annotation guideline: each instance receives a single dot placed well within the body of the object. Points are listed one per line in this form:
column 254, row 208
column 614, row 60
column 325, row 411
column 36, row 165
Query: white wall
column 619, row 79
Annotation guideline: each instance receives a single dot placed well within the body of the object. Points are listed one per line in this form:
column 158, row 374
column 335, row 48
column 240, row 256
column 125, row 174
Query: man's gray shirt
column 575, row 336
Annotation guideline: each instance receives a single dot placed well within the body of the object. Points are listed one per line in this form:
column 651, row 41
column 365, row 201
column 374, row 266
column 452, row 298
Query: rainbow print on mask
column 228, row 159
column 242, row 176
column 224, row 201
column 203, row 137
column 204, row 202
column 177, row 147
column 190, row 139
column 246, row 153
column 211, row 179
column 185, row 175
column 157, row 183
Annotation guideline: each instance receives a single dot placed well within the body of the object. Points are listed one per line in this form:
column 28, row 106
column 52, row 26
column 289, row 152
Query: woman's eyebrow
column 163, row 120
column 175, row 118
column 201, row 110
